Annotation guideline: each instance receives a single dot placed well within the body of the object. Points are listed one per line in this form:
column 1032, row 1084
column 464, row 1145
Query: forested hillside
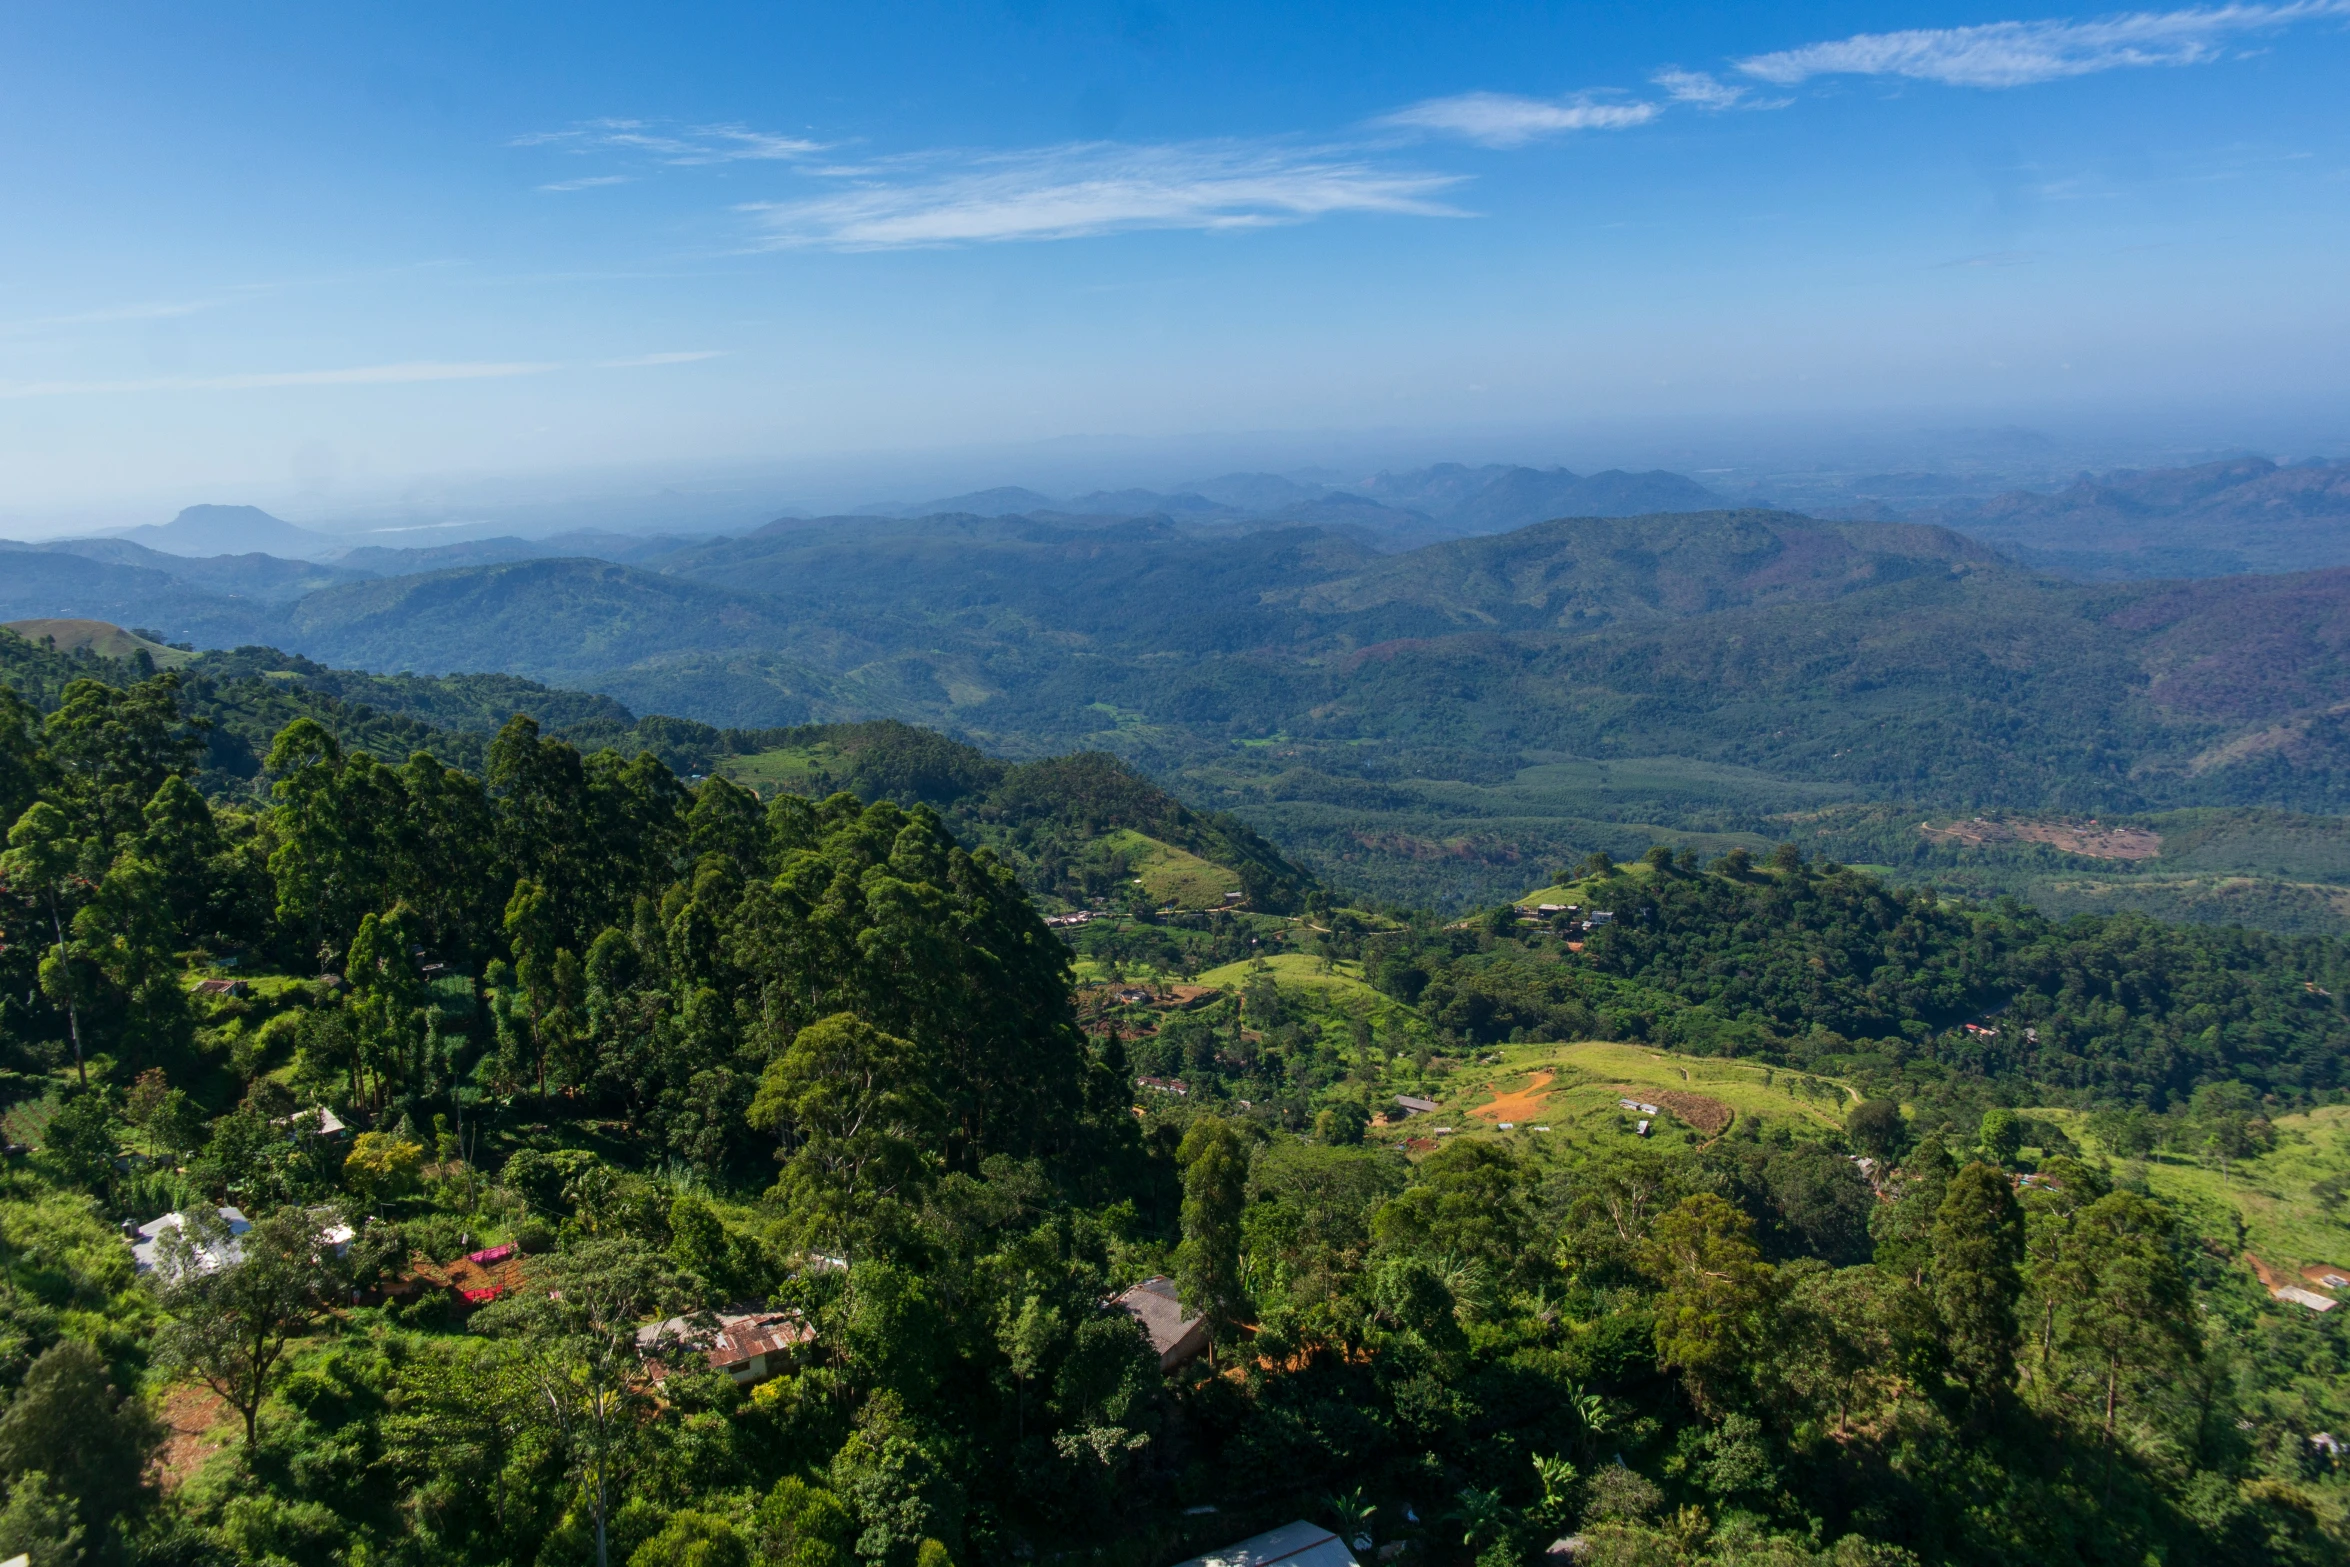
column 612, row 1054
column 1393, row 720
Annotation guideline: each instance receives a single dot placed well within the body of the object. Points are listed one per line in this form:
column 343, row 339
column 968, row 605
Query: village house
column 1176, row 1337
column 747, row 1346
column 1411, row 1106
column 317, row 1121
column 147, row 1248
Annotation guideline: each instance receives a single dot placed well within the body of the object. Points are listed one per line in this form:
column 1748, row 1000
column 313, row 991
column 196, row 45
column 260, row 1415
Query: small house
column 222, row 989
column 1412, row 1106
column 747, row 1346
column 147, row 1250
column 1165, row 1085
column 1155, row 1305
column 317, row 1121
column 2327, row 1276
column 1299, row 1544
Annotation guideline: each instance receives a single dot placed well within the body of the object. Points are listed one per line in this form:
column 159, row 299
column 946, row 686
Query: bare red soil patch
column 1709, row 1116
column 2083, row 838
column 1520, row 1104
column 198, row 1423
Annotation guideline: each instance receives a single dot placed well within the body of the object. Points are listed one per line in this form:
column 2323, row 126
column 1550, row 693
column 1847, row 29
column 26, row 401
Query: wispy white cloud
column 679, row 146
column 590, row 183
column 1704, row 90
column 157, row 310
column 1496, row 119
column 1096, row 188
column 410, row 373
column 640, row 361
column 2017, row 54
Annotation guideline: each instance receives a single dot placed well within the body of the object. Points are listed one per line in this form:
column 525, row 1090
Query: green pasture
column 1170, row 875
column 2263, row 1205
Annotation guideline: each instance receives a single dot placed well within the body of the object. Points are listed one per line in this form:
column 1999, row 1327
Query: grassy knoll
column 1579, row 892
column 2263, row 1205
column 1171, row 876
column 1298, row 971
column 101, row 637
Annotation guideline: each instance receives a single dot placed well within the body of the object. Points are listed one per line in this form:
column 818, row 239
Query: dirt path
column 1522, row 1105
column 199, row 1423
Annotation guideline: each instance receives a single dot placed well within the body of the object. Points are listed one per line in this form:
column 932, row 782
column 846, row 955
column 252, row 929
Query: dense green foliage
column 686, row 1050
column 1821, row 967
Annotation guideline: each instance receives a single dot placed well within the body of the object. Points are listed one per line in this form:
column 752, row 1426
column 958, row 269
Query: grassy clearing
column 1297, row 971
column 1573, row 1089
column 1170, row 875
column 797, row 770
column 1579, row 892
column 2262, row 1205
column 101, row 637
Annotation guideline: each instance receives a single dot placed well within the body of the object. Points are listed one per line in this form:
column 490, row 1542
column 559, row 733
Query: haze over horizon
column 362, row 270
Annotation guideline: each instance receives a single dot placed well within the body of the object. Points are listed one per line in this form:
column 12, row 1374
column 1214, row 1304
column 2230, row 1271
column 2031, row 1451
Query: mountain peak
column 230, row 530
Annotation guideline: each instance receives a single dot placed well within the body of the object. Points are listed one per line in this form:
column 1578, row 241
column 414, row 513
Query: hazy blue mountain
column 378, row 560
column 232, row 530
column 1498, row 497
column 1255, row 493
column 561, row 620
column 2244, row 514
column 49, row 583
column 1142, row 503
column 1386, row 527
column 1586, row 572
column 1004, row 501
column 240, row 576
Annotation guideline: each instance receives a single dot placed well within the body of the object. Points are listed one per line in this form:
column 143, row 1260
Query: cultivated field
column 1574, row 1089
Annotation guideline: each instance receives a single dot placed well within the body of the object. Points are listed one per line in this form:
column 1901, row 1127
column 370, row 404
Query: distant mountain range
column 1395, row 510
column 1881, row 655
column 1416, row 720
column 2217, row 519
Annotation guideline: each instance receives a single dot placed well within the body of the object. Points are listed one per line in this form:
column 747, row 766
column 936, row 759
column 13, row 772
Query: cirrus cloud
column 1095, row 188
column 408, row 373
column 1494, row 119
column 2018, row 54
column 683, row 146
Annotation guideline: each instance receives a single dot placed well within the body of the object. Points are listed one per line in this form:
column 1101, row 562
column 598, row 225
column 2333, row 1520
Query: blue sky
column 327, row 249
